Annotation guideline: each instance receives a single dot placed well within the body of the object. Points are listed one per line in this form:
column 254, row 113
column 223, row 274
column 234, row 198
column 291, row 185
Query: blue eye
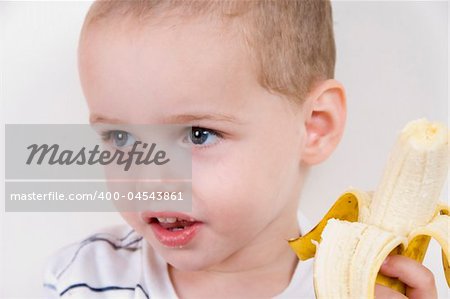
column 119, row 139
column 203, row 136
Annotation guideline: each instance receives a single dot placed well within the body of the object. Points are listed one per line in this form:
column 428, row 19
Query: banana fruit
column 363, row 228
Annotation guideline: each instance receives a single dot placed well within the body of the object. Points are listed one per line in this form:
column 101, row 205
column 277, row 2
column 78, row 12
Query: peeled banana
column 362, row 228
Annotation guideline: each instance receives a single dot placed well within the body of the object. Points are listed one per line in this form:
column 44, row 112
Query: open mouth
column 172, row 224
column 172, row 229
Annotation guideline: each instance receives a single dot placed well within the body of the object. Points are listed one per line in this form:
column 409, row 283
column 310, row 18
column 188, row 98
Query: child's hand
column 418, row 279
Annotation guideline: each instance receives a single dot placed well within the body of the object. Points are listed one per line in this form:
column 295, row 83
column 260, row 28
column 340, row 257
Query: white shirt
column 118, row 263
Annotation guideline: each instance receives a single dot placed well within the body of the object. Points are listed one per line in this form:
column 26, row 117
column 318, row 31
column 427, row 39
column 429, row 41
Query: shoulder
column 107, row 260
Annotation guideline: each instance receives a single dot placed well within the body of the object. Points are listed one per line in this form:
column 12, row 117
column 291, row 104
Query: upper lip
column 148, row 215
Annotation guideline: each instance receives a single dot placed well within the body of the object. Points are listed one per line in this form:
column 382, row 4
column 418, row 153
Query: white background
column 391, row 56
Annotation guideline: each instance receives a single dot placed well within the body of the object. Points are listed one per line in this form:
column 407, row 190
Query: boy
column 253, row 81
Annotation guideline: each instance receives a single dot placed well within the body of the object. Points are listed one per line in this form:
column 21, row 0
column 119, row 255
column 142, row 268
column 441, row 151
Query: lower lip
column 177, row 238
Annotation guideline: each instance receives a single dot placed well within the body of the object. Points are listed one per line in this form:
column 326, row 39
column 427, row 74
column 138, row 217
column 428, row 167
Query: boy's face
column 245, row 182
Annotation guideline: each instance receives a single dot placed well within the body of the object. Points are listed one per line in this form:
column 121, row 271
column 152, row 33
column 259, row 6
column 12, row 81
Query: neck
column 263, row 281
column 263, row 268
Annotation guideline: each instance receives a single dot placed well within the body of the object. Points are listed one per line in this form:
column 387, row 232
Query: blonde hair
column 291, row 41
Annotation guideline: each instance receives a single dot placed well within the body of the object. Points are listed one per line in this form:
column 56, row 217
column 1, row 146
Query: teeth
column 173, row 219
column 167, row 220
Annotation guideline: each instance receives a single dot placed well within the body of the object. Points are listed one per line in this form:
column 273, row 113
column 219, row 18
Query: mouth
column 173, row 230
column 172, row 224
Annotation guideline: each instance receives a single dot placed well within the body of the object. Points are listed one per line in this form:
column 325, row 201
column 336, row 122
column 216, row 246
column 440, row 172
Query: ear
column 325, row 114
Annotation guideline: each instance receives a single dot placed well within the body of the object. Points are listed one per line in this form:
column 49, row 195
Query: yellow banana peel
column 362, row 228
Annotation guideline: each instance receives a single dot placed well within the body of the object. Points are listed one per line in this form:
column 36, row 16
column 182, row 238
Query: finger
column 418, row 278
column 385, row 292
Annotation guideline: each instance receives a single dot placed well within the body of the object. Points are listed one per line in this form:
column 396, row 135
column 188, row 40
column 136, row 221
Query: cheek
column 133, row 219
column 232, row 193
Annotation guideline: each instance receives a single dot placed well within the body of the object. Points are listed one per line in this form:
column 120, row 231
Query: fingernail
column 385, row 261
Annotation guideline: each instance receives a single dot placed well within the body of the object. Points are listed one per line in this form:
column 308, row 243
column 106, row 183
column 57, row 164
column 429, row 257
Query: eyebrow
column 96, row 118
column 180, row 118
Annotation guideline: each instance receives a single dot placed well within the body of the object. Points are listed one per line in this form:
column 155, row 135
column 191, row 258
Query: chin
column 186, row 260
